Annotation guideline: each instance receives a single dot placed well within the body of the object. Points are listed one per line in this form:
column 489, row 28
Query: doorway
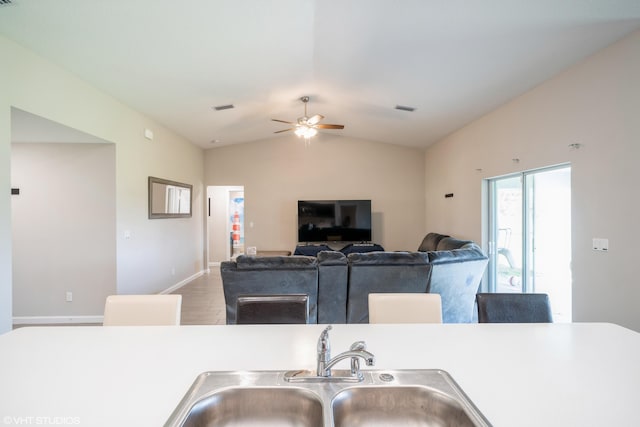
column 530, row 236
column 225, row 222
column 63, row 217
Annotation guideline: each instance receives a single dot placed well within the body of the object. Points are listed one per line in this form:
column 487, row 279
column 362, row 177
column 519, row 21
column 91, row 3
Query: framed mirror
column 169, row 199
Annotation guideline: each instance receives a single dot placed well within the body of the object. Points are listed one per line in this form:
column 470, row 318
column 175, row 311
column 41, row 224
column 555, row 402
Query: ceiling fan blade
column 314, row 119
column 282, row 121
column 284, row 130
column 321, row 126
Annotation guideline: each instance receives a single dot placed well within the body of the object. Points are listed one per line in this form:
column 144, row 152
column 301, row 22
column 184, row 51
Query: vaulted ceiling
column 451, row 60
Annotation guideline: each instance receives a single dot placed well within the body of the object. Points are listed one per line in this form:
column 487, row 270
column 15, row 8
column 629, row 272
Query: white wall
column 276, row 173
column 595, row 104
column 157, row 247
column 64, row 227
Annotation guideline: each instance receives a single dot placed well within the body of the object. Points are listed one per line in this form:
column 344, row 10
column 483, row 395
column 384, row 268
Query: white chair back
column 142, row 310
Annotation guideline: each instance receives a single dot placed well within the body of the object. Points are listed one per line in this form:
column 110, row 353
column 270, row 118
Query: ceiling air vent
column 5, row 2
column 405, row 108
column 224, row 107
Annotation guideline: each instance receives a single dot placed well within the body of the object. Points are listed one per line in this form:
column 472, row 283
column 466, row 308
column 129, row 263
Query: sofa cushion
column 388, row 258
column 468, row 251
column 353, row 248
column 331, row 258
column 430, row 242
column 378, row 272
column 245, row 262
column 449, row 243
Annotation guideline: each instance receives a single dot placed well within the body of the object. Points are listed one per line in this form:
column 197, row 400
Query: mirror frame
column 154, row 180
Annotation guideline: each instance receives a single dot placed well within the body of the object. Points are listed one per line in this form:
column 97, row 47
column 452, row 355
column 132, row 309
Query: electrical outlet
column 69, row 296
column 600, row 244
column 173, row 271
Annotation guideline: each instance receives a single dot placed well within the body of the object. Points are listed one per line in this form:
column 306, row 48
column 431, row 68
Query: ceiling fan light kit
column 306, row 132
column 307, row 127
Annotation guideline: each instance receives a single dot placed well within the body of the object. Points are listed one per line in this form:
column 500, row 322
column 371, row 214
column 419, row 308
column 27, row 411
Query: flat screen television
column 334, row 221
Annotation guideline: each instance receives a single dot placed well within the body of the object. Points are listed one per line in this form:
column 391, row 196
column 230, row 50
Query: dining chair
column 272, row 309
column 513, row 308
column 405, row 308
column 142, row 310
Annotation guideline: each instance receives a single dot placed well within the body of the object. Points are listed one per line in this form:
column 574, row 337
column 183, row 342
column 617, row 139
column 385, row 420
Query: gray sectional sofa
column 338, row 286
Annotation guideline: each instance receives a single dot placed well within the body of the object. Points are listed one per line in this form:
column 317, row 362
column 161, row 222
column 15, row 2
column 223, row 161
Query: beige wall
column 159, row 253
column 276, row 173
column 64, row 226
column 595, row 104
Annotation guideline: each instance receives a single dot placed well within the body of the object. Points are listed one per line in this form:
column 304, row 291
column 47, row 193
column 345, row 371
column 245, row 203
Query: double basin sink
column 382, row 398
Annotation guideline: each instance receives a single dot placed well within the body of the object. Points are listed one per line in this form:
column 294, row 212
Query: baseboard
column 214, row 264
column 182, row 283
column 51, row 320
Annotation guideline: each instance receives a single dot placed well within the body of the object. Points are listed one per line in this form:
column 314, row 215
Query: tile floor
column 203, row 300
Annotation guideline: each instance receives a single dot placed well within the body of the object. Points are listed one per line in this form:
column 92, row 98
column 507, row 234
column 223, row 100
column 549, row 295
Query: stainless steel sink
column 383, row 398
column 265, row 406
column 407, row 406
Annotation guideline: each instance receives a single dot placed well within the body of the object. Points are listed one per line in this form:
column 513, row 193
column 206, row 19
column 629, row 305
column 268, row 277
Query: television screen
column 334, row 220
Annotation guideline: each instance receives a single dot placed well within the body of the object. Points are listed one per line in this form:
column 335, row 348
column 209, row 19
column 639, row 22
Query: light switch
column 127, row 234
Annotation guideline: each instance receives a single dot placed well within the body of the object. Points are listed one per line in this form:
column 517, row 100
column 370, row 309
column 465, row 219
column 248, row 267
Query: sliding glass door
column 530, row 236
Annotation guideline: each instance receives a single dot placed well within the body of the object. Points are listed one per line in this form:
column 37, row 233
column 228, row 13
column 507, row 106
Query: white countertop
column 517, row 375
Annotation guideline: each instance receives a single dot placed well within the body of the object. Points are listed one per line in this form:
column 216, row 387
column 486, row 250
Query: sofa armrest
column 456, row 276
column 332, row 287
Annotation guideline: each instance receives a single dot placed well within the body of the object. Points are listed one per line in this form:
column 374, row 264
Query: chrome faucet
column 355, row 362
column 324, row 352
column 356, row 352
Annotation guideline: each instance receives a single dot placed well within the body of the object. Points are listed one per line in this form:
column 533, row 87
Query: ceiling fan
column 307, row 126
